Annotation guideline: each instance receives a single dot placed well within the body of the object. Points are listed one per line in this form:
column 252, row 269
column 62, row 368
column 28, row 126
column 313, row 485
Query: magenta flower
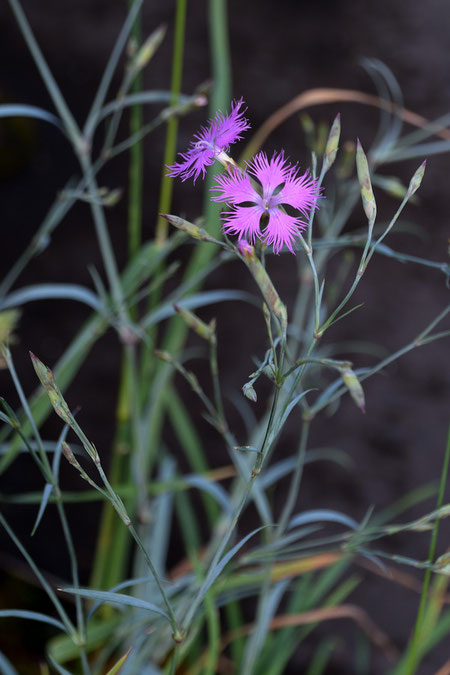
column 257, row 214
column 209, row 142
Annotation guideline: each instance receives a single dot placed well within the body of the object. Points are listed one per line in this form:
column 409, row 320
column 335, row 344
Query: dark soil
column 279, row 49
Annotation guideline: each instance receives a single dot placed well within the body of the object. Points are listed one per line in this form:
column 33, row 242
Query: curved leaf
column 323, row 515
column 52, row 292
column 6, row 667
column 23, row 110
column 48, row 489
column 225, row 560
column 35, row 616
column 215, row 490
column 57, row 666
column 290, row 407
column 194, row 301
column 116, row 599
column 141, row 97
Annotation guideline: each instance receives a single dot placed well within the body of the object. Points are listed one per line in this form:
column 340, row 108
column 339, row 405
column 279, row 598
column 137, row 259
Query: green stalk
column 113, row 547
column 177, row 330
column 413, row 660
column 136, row 171
column 165, row 197
column 61, row 106
column 71, row 630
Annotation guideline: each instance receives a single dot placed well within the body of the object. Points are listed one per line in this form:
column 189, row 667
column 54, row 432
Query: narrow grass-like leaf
column 226, row 559
column 319, row 515
column 23, row 110
column 52, row 292
column 47, row 491
column 214, row 489
column 68, row 626
column 116, row 599
column 6, row 419
column 6, row 667
column 165, row 310
column 35, row 616
column 322, row 656
column 139, row 98
column 58, row 667
column 266, row 611
column 62, row 648
column 189, row 438
column 290, row 408
column 118, row 665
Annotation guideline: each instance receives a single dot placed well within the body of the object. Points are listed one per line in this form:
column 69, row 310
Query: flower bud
column 192, row 230
column 442, row 564
column 416, row 179
column 332, row 143
column 249, row 392
column 265, row 284
column 68, row 454
column 368, row 199
column 205, row 331
column 47, row 380
column 147, row 50
column 163, row 355
column 354, row 386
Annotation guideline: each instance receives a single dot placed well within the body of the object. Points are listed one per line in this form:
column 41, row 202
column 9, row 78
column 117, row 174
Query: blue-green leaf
column 52, row 292
column 116, row 599
column 35, row 616
column 48, row 489
column 194, row 301
column 22, row 110
column 6, row 667
column 319, row 515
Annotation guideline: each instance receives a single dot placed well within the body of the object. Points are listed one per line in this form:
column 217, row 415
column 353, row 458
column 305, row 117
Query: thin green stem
column 412, row 661
column 45, row 464
column 75, row 578
column 136, row 166
column 71, row 630
column 60, row 104
column 165, row 196
column 111, row 66
column 177, row 633
column 104, row 240
column 292, row 496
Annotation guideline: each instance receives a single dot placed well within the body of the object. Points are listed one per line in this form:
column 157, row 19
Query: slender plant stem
column 60, row 104
column 75, row 578
column 104, row 240
column 111, row 66
column 71, row 630
column 165, row 196
column 42, row 454
column 136, row 167
column 177, row 633
column 296, row 479
column 412, row 661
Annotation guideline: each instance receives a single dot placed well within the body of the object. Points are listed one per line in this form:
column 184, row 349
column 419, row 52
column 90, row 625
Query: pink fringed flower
column 209, row 142
column 256, row 214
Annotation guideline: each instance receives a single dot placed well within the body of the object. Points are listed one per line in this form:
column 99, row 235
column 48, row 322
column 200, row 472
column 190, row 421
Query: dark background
column 279, row 49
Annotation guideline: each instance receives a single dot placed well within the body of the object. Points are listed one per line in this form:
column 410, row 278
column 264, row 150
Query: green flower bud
column 368, row 199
